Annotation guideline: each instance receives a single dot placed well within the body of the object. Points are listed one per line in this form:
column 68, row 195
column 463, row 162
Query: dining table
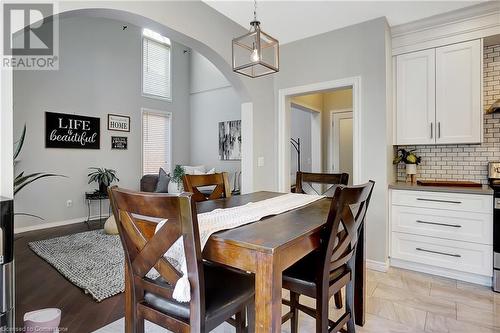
column 271, row 245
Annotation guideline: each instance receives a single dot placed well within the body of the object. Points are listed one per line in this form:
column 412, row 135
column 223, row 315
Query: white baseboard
column 380, row 266
column 45, row 225
column 448, row 273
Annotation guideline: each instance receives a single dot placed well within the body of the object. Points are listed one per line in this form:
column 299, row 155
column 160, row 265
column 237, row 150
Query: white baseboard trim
column 448, row 273
column 379, row 266
column 45, row 225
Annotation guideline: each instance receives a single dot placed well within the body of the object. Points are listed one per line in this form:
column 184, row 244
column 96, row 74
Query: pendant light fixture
column 255, row 53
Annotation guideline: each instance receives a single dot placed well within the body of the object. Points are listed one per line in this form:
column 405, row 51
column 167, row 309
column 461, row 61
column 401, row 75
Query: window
column 156, row 80
column 156, row 141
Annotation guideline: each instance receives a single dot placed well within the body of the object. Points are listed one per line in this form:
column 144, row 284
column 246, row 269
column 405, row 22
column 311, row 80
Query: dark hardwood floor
column 39, row 285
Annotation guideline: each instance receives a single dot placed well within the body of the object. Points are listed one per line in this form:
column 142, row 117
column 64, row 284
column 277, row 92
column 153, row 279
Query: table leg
column 267, row 294
column 360, row 280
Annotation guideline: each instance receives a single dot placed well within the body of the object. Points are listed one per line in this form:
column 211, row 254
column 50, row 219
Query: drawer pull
column 437, row 200
column 437, row 252
column 442, row 224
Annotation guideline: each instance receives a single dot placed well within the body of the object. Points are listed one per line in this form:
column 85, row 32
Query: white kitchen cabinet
column 415, row 97
column 458, row 93
column 442, row 233
column 438, row 95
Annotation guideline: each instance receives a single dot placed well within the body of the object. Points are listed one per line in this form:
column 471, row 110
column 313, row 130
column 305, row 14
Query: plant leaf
column 21, row 143
column 32, row 215
column 29, row 179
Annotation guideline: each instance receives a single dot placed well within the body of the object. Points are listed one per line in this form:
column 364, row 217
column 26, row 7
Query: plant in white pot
column 175, row 185
column 411, row 160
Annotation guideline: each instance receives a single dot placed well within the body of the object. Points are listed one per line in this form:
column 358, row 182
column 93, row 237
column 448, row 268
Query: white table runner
column 223, row 219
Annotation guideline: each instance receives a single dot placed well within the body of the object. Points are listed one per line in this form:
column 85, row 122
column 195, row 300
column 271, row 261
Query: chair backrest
column 136, row 215
column 345, row 220
column 313, row 183
column 222, row 189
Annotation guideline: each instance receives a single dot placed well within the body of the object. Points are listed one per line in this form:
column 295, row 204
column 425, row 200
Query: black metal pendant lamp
column 255, row 53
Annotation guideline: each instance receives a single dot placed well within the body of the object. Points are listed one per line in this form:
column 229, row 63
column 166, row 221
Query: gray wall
column 300, row 128
column 358, row 50
column 100, row 73
column 212, row 100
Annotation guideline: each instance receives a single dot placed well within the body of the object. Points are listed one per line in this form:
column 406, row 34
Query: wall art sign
column 230, row 140
column 117, row 122
column 119, row 142
column 72, row 131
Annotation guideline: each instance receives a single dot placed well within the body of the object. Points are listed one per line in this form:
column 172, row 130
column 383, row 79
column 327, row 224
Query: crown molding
column 469, row 23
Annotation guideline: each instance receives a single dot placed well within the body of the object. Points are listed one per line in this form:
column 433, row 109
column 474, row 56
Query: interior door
column 458, row 93
column 415, row 98
column 342, row 145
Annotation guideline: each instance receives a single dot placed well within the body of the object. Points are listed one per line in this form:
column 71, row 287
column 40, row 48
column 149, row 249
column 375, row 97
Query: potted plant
column 175, row 185
column 104, row 177
column 410, row 159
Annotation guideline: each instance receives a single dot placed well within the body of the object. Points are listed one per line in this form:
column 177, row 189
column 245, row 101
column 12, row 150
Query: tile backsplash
column 468, row 161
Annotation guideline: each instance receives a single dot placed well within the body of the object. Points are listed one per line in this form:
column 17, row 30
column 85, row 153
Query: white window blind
column 156, row 142
column 156, row 80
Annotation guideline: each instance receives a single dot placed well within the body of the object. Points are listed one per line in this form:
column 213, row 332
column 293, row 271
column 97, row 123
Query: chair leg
column 241, row 320
column 139, row 323
column 349, row 297
column 321, row 313
column 338, row 299
column 294, row 320
column 251, row 317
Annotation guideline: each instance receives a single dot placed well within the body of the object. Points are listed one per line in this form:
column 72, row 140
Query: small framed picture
column 117, row 122
column 119, row 142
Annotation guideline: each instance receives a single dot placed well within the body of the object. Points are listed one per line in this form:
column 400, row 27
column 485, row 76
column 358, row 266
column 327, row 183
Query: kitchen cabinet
column 438, row 95
column 447, row 234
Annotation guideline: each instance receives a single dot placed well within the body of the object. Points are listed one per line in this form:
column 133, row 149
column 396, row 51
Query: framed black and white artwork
column 72, row 131
column 230, row 140
column 119, row 142
column 119, row 123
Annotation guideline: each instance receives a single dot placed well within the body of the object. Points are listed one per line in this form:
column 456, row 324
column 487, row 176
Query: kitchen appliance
column 6, row 265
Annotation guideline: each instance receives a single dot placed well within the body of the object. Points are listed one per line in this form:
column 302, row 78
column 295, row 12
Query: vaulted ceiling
column 292, row 20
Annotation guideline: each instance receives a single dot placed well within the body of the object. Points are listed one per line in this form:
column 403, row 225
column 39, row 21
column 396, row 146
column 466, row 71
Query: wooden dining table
column 269, row 246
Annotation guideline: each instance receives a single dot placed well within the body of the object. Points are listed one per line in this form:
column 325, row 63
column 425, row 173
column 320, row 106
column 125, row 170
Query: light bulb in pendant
column 255, row 55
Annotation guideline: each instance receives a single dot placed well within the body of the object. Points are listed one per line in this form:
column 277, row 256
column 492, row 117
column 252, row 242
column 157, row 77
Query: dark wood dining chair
column 216, row 293
column 324, row 272
column 193, row 183
column 315, row 183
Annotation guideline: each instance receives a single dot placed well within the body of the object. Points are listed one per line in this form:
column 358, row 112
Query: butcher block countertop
column 484, row 190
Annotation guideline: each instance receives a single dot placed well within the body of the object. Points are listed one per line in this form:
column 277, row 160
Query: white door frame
column 334, row 137
column 283, row 125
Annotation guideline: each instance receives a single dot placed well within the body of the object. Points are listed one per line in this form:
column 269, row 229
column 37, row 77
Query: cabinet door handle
column 439, row 129
column 437, row 200
column 438, row 252
column 442, row 224
column 432, row 130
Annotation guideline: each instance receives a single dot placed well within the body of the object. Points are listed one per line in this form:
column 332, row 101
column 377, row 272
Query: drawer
column 443, row 253
column 462, row 226
column 439, row 200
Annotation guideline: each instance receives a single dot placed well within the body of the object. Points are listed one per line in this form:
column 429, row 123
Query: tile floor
column 402, row 301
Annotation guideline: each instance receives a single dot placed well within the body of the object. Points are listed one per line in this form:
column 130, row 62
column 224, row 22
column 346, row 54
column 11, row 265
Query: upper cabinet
column 415, row 101
column 438, row 95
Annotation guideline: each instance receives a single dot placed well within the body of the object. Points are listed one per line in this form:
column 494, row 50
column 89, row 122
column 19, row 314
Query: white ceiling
column 292, row 20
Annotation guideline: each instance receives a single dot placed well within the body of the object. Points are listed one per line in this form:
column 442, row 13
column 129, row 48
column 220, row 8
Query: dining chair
column 315, row 183
column 216, row 293
column 324, row 272
column 193, row 183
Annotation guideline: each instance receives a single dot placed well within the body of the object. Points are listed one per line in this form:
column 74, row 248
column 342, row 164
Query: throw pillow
column 163, row 180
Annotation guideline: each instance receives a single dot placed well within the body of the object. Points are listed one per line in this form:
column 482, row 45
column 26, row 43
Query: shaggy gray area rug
column 91, row 260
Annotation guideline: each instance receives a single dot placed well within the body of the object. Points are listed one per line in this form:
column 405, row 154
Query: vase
column 103, row 188
column 411, row 173
column 174, row 187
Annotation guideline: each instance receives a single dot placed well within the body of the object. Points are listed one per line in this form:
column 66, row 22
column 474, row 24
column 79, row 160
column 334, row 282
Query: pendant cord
column 255, row 10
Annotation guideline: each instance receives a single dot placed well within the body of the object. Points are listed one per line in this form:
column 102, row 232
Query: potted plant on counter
column 411, row 160
column 104, row 177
